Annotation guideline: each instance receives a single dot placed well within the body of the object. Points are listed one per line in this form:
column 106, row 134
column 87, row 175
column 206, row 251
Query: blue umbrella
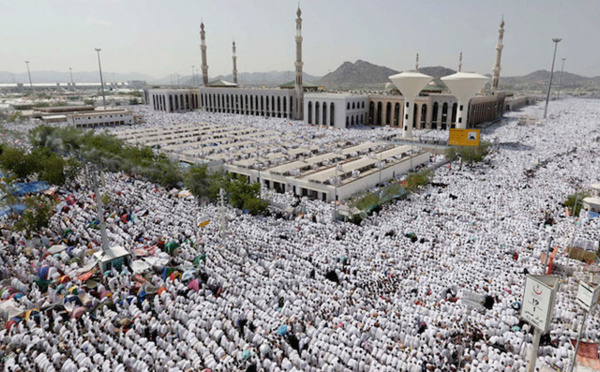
column 282, row 330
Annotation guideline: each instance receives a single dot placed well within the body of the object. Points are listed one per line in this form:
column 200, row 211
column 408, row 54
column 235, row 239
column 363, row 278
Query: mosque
column 433, row 108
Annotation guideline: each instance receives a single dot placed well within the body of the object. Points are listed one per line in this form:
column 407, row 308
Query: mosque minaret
column 203, row 48
column 496, row 75
column 299, row 104
column 234, row 65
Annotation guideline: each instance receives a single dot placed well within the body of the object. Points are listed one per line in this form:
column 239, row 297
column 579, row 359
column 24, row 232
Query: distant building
column 101, row 118
column 224, row 96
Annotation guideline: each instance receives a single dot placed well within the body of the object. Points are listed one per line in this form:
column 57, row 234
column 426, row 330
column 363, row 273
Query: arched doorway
column 434, row 116
column 396, row 114
column 378, row 121
column 445, row 115
column 324, row 113
column 371, row 112
column 310, row 112
column 317, row 113
column 423, row 116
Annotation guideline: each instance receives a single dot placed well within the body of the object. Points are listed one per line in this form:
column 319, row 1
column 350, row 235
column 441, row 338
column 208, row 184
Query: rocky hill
column 538, row 81
column 357, row 75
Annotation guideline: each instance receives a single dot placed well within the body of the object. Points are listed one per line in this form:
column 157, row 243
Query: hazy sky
column 160, row 37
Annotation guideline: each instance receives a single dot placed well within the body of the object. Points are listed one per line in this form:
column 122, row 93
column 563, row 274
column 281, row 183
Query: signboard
column 472, row 299
column 202, row 224
column 587, row 296
column 464, row 137
column 538, row 300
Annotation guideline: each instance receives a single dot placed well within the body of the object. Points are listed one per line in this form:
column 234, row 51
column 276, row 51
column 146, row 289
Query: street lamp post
column 29, row 74
column 556, row 41
column 101, row 78
column 562, row 67
column 71, row 73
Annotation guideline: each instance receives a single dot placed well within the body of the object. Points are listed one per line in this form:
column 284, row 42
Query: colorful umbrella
column 188, row 275
column 43, row 272
column 78, row 312
column 195, row 285
column 106, row 294
column 282, row 330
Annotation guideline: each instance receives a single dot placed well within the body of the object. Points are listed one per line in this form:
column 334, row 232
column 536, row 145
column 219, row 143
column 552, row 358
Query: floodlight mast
column 29, row 74
column 101, row 78
column 556, row 41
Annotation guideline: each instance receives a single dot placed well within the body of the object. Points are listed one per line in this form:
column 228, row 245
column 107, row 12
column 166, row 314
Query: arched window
column 378, row 120
column 371, row 116
column 310, row 112
column 273, row 108
column 324, row 113
column 348, row 106
column 278, row 107
column 434, row 116
column 396, row 113
column 454, row 108
column 317, row 112
column 415, row 111
column 353, row 105
column 423, row 116
column 331, row 114
column 351, row 120
column 388, row 113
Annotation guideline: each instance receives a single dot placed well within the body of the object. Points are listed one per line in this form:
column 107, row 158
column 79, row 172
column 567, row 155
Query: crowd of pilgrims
column 301, row 293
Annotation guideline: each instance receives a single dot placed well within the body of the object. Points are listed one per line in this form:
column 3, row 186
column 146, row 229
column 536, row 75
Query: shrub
column 577, row 197
column 469, row 154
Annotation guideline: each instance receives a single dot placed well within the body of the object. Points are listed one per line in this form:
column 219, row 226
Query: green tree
column 37, row 215
column 197, row 180
column 14, row 160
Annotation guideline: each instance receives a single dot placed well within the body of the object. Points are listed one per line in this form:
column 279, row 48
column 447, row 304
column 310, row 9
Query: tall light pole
column 562, row 67
column 101, row 78
column 556, row 41
column 71, row 73
column 29, row 74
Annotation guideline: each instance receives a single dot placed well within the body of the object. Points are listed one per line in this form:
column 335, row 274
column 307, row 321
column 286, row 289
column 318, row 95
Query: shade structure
column 410, row 84
column 464, row 86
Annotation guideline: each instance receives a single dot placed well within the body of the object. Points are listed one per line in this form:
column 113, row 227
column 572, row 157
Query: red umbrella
column 195, row 285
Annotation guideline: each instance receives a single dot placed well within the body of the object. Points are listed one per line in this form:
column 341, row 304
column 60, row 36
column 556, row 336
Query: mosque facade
column 432, row 109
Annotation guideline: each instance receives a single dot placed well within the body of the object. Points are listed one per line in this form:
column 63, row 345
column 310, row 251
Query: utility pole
column 222, row 214
column 556, row 41
column 560, row 78
column 101, row 78
column 29, row 73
